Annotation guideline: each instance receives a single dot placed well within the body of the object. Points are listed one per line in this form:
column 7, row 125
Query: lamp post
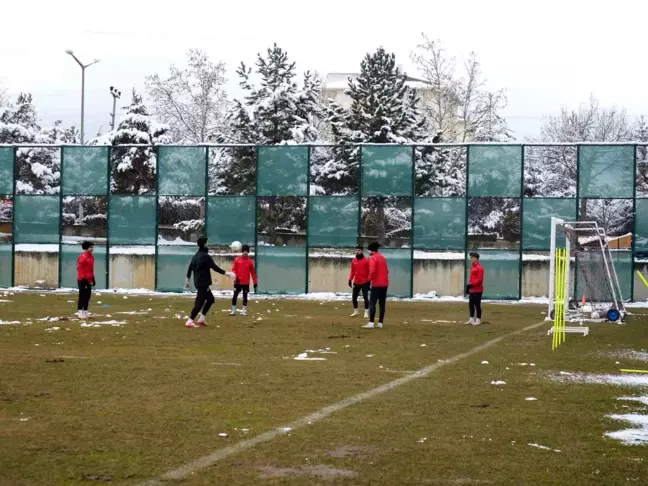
column 83, row 68
column 116, row 94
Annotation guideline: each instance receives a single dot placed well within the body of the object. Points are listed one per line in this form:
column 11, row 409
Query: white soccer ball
column 596, row 315
column 236, row 246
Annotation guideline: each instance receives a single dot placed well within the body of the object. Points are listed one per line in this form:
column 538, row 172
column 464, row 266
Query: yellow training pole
column 635, row 371
column 559, row 307
column 643, row 279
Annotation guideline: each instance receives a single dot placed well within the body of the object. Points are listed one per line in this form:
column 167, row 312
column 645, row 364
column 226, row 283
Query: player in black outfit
column 201, row 266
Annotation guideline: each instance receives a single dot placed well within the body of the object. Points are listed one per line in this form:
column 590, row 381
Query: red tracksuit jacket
column 476, row 278
column 378, row 271
column 85, row 267
column 359, row 271
column 244, row 267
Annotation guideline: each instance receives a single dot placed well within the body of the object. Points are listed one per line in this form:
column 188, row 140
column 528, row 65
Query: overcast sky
column 546, row 54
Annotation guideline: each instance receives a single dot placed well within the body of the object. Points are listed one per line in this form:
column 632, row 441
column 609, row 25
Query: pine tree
column 384, row 110
column 276, row 111
column 641, row 135
column 133, row 168
column 38, row 168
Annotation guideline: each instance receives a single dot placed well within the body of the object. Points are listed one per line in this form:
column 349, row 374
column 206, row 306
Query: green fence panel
column 283, row 171
column 181, row 171
column 501, row 273
column 281, row 270
column 85, row 171
column 171, row 268
column 6, row 170
column 6, row 258
column 606, row 171
column 641, row 225
column 36, row 219
column 624, row 268
column 440, row 223
column 536, row 224
column 333, row 221
column 68, row 262
column 400, row 271
column 495, row 171
column 132, row 220
column 231, row 218
column 387, row 171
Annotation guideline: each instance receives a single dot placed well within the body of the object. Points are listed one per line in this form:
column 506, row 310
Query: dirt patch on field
column 351, row 451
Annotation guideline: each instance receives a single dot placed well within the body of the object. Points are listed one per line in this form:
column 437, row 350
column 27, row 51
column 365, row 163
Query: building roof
column 341, row 81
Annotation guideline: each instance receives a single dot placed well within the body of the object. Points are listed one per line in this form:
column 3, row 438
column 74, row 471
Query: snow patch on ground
column 600, row 379
column 8, row 323
column 498, row 382
column 103, row 323
column 538, row 446
column 634, row 436
column 630, row 354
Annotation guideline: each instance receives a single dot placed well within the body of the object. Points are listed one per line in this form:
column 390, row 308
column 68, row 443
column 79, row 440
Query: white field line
column 220, row 454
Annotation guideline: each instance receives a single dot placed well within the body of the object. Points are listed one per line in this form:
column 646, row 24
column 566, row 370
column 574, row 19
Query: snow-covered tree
column 460, row 106
column 192, row 101
column 384, row 110
column 551, row 170
column 285, row 214
column 133, row 168
column 276, row 110
column 38, row 168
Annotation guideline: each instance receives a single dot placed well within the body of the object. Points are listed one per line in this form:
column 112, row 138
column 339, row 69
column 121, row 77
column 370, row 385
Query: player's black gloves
column 255, row 287
column 350, row 283
column 94, row 282
column 468, row 288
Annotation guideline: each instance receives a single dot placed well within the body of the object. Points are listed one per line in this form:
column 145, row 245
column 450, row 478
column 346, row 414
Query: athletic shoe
column 476, row 322
column 355, row 313
column 366, row 314
column 369, row 325
column 190, row 324
column 380, row 325
column 232, row 313
column 244, row 313
column 470, row 321
column 201, row 322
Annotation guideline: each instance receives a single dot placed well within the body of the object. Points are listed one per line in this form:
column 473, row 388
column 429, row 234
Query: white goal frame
column 579, row 313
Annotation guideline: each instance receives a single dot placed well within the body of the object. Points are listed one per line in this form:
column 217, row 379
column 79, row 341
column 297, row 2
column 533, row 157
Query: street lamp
column 83, row 67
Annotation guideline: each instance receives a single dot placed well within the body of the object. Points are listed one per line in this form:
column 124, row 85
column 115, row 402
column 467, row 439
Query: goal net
column 596, row 291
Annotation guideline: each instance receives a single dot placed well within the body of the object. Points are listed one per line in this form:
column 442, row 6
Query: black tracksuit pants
column 85, row 292
column 364, row 288
column 378, row 296
column 203, row 302
column 474, row 303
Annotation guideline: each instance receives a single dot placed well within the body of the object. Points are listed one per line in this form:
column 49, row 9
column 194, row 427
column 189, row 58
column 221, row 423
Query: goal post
column 586, row 245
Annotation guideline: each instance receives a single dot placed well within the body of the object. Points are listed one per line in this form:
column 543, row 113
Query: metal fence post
column 14, row 173
column 466, row 222
column 521, row 263
column 157, row 213
column 634, row 223
column 61, row 222
column 108, row 174
column 256, row 206
column 411, row 292
column 359, row 182
column 205, row 224
column 308, row 169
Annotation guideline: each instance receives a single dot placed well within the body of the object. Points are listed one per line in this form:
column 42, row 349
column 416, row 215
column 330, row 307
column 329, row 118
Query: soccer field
column 139, row 399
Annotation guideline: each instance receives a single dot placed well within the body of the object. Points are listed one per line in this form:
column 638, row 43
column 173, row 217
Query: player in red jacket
column 243, row 268
column 359, row 281
column 379, row 278
column 85, row 278
column 475, row 290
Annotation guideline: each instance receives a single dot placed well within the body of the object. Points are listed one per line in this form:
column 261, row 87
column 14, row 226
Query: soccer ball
column 236, row 246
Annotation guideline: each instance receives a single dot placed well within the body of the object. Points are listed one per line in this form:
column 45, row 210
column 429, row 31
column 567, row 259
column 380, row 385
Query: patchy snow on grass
column 538, row 446
column 630, row 354
column 633, row 436
column 531, row 399
column 498, row 382
column 305, row 357
column 8, row 323
column 600, row 379
column 103, row 323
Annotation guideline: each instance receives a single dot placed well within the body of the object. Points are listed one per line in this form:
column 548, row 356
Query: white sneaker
column 476, row 322
column 380, row 325
column 470, row 321
column 369, row 325
column 244, row 312
column 366, row 314
column 190, row 323
column 355, row 313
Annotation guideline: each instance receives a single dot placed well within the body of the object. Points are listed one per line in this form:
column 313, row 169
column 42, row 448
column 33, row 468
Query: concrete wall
column 446, row 277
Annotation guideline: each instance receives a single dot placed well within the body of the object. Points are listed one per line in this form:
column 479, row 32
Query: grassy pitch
column 137, row 395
